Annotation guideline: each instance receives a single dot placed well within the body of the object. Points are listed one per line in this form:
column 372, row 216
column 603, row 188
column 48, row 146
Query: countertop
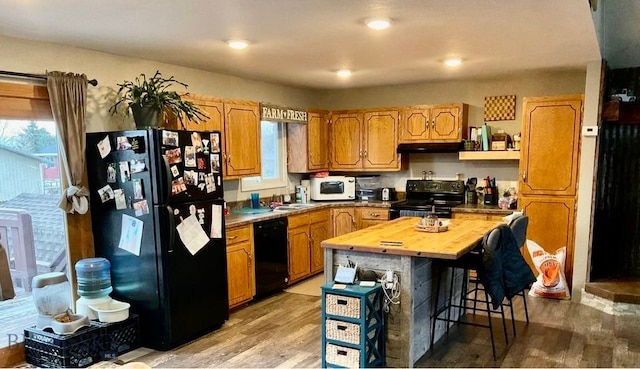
column 480, row 208
column 235, row 220
column 462, row 235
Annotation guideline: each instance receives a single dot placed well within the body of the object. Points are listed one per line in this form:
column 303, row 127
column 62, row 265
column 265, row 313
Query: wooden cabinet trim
column 239, row 234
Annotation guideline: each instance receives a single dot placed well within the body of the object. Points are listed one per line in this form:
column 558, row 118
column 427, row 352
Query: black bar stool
column 472, row 261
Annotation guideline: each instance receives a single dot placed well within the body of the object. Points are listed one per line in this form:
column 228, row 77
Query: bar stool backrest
column 519, row 229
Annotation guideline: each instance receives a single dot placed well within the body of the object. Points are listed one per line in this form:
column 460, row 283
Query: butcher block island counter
column 411, row 259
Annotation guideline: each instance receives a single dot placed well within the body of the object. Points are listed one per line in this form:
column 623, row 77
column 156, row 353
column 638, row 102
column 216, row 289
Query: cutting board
column 251, row 211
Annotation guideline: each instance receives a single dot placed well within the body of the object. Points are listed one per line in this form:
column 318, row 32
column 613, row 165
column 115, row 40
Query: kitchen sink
column 293, row 207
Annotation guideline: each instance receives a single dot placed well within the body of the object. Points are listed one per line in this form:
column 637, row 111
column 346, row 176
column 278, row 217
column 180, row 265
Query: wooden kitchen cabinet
column 308, row 144
column 364, row 140
column 345, row 131
column 240, row 267
column 551, row 142
column 299, row 250
column 549, row 171
column 319, row 230
column 343, row 220
column 212, row 106
column 369, row 216
column 241, row 155
column 551, row 225
column 305, row 233
column 433, row 123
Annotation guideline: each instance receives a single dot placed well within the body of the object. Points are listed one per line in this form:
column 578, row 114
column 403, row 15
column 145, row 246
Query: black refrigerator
column 156, row 201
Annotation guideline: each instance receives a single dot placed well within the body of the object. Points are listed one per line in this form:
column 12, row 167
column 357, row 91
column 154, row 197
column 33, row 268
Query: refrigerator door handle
column 167, row 176
column 172, row 229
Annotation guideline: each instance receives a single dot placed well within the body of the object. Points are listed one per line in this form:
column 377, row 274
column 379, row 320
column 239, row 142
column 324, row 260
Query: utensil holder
column 491, row 198
column 472, row 197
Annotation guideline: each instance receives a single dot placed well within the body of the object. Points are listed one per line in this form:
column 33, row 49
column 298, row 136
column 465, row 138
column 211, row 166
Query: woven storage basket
column 342, row 356
column 343, row 331
column 342, row 306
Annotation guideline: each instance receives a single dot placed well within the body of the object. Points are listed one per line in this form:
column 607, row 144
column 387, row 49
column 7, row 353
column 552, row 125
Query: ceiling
column 303, row 42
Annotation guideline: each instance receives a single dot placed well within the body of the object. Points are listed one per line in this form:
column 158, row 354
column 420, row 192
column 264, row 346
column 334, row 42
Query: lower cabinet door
column 551, row 225
column 299, row 253
column 240, row 274
column 319, row 232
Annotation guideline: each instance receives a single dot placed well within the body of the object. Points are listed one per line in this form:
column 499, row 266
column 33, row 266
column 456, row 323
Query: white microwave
column 333, row 188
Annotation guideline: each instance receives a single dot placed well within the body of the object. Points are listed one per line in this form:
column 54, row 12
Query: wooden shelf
column 489, row 155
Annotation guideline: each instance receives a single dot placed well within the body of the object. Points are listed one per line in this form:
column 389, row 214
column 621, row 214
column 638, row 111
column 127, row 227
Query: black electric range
column 423, row 195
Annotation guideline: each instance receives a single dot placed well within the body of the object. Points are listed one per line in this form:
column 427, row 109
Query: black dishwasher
column 270, row 250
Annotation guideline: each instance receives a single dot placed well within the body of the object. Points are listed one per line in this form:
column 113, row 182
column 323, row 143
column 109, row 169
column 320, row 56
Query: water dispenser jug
column 94, row 277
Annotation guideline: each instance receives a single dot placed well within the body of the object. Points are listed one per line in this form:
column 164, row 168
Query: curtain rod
column 92, row 82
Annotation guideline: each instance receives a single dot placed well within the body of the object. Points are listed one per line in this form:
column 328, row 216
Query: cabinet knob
column 232, row 237
column 524, row 176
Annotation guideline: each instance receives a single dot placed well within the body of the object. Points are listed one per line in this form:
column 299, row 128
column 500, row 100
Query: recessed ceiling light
column 378, row 23
column 343, row 73
column 452, row 62
column 238, row 44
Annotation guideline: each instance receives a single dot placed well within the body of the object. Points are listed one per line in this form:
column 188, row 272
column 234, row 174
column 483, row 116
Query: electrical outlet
column 388, row 281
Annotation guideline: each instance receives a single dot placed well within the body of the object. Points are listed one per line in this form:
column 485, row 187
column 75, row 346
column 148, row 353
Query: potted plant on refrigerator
column 150, row 99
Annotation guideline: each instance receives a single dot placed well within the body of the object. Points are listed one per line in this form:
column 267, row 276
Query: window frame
column 256, row 183
column 26, row 101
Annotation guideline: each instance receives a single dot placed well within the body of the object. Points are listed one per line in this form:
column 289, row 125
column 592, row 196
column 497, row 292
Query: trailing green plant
column 153, row 92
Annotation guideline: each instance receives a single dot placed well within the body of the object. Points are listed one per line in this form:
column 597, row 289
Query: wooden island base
column 408, row 324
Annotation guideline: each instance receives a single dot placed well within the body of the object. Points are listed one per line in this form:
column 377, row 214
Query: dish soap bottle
column 432, row 218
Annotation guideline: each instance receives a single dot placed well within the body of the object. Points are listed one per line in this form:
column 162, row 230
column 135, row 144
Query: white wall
column 586, row 188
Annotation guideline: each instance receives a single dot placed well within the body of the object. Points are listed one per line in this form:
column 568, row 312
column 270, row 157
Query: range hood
column 429, row 147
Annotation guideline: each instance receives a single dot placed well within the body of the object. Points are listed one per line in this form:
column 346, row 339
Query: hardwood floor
column 284, row 331
column 280, row 331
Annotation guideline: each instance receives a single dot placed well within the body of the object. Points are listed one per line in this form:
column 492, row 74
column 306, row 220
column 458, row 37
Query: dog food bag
column 551, row 281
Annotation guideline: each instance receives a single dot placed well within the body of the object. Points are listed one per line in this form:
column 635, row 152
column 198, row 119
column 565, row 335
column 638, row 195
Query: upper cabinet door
column 437, row 123
column 446, row 123
column 213, row 107
column 242, row 139
column 550, row 145
column 346, row 140
column 414, row 125
column 380, row 139
column 318, row 139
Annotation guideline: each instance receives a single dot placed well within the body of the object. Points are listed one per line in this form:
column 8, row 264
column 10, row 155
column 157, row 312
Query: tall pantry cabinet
column 549, row 172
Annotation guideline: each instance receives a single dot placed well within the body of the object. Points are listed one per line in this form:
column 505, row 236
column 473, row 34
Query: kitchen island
column 409, row 321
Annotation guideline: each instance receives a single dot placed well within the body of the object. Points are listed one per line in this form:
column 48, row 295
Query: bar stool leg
column 524, row 300
column 434, row 315
column 513, row 319
column 504, row 323
column 450, row 298
column 463, row 293
column 493, row 344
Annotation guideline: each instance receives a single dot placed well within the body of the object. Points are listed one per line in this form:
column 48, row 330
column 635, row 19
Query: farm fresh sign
column 275, row 113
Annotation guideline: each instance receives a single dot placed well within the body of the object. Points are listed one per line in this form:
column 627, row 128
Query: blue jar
column 94, row 277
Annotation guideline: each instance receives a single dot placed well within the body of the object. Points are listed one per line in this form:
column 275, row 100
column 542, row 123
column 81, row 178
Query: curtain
column 68, row 97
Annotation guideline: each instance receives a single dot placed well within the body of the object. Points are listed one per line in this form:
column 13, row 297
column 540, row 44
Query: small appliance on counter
column 367, row 187
column 386, row 194
column 333, row 188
